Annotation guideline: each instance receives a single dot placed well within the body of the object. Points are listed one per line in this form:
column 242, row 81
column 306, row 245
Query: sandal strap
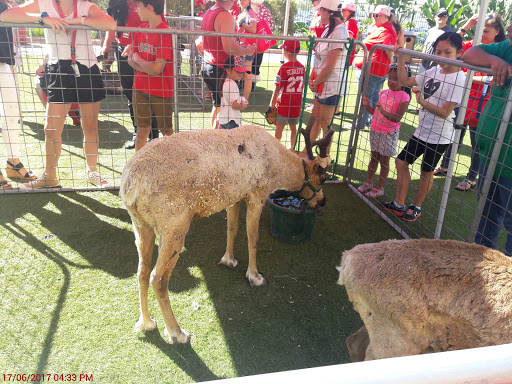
column 16, row 167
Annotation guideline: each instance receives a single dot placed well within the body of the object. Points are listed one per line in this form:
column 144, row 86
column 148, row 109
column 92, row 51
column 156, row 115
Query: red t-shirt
column 385, row 34
column 317, row 28
column 152, row 46
column 290, row 78
column 125, row 38
column 213, row 49
column 353, row 29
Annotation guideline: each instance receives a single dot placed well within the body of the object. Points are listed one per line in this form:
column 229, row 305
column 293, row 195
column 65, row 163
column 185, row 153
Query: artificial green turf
column 69, row 293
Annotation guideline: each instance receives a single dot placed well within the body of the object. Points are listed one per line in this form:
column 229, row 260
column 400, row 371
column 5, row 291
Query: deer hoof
column 141, row 326
column 228, row 261
column 256, row 280
column 181, row 337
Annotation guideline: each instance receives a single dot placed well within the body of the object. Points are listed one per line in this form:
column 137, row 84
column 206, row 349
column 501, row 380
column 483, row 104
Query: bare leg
column 142, row 137
column 403, row 181
column 55, row 117
column 384, row 170
column 293, row 135
column 228, row 258
column 215, row 121
column 89, row 117
column 279, row 132
column 372, row 167
column 426, row 183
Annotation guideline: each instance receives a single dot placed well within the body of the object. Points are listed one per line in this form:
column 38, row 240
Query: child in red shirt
column 289, row 84
column 151, row 57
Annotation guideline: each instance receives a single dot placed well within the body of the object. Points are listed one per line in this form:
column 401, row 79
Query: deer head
column 314, row 168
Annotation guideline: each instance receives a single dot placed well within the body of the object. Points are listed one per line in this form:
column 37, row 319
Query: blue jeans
column 229, row 125
column 497, row 211
column 375, row 84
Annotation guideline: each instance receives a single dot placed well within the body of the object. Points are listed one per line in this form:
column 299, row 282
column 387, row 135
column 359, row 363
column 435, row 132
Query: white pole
column 468, row 366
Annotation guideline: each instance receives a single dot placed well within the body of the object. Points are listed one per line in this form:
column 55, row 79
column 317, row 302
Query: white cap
column 259, row 2
column 349, row 6
column 331, row 5
column 382, row 10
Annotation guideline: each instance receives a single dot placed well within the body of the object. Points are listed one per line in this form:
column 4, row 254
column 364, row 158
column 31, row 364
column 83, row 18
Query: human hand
column 250, row 49
column 57, row 24
column 471, row 22
column 128, row 50
column 312, row 85
column 500, row 70
column 417, row 93
column 379, row 106
column 366, row 101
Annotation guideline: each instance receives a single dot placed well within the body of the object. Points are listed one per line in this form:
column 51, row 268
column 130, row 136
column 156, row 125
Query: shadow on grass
column 183, row 356
column 112, row 135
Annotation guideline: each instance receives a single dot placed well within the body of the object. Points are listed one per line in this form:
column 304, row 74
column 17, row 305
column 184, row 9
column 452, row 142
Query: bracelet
column 83, row 20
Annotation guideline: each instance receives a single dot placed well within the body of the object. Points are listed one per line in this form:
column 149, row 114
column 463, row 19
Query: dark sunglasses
column 375, row 15
column 442, row 15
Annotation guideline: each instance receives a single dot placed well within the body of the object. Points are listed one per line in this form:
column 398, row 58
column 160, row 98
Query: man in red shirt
column 289, row 84
column 151, row 56
column 125, row 14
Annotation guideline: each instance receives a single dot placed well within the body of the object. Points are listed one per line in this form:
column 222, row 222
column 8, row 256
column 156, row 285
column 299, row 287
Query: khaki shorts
column 145, row 105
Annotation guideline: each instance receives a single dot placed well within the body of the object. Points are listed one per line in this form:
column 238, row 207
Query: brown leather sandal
column 13, row 172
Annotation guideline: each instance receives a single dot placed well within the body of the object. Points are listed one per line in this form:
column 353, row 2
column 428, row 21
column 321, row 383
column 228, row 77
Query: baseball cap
column 291, row 46
column 381, row 10
column 236, row 63
column 442, row 11
column 331, row 5
column 349, row 6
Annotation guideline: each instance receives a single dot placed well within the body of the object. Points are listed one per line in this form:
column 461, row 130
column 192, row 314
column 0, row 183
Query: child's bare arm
column 151, row 67
column 394, row 117
column 239, row 105
column 403, row 78
column 277, row 89
column 443, row 111
column 366, row 104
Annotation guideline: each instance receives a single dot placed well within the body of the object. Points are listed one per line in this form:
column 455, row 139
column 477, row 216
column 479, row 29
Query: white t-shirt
column 438, row 88
column 230, row 93
column 58, row 45
column 331, row 86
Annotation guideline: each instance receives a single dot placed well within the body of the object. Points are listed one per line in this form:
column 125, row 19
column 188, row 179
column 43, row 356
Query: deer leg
column 168, row 255
column 145, row 241
column 228, row 258
column 254, row 208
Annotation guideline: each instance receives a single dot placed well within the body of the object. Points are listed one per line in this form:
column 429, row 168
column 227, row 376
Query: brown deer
column 421, row 296
column 195, row 174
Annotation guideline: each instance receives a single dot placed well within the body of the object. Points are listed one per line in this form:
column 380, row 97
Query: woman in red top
column 263, row 14
column 494, row 32
column 381, row 32
column 317, row 27
column 348, row 10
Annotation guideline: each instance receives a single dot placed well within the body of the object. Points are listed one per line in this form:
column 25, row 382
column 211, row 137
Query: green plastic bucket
column 290, row 225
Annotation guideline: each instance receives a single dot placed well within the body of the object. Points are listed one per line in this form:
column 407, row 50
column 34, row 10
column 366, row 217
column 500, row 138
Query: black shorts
column 65, row 87
column 211, row 75
column 432, row 153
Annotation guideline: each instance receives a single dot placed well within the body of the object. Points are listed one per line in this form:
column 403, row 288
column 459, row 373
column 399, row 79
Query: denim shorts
column 229, row 125
column 331, row 100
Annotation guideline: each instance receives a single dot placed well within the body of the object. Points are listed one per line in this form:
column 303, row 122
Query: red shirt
column 352, row 28
column 152, row 46
column 213, row 50
column 385, row 34
column 125, row 38
column 290, row 78
column 317, row 28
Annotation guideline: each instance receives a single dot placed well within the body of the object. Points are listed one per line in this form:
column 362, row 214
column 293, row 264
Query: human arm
column 150, row 67
column 109, row 37
column 29, row 12
column 443, row 111
column 249, row 25
column 238, row 105
column 273, row 101
column 96, row 19
column 226, row 24
column 332, row 61
column 500, row 68
column 366, row 104
column 468, row 25
column 394, row 117
column 403, row 77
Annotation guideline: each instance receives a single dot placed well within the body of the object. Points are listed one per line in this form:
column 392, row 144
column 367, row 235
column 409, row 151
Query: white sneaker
column 94, row 177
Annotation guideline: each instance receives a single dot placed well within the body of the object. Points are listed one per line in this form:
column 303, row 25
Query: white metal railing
column 486, row 365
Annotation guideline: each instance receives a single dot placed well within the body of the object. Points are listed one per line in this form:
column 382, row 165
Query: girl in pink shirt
column 385, row 127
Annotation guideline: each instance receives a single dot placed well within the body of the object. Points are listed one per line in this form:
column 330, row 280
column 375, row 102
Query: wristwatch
column 462, row 30
column 43, row 15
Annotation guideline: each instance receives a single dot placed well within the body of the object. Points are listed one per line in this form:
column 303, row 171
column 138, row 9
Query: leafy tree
column 278, row 10
column 457, row 9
